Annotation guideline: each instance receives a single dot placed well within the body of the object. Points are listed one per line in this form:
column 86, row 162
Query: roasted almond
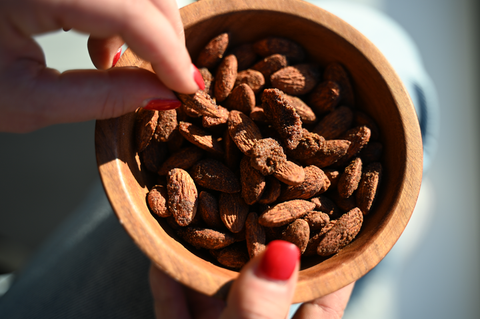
column 182, row 196
column 342, row 233
column 243, row 131
column 285, row 212
column 213, row 174
column 233, row 211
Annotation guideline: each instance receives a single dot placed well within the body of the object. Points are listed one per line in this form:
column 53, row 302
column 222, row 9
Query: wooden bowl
column 379, row 92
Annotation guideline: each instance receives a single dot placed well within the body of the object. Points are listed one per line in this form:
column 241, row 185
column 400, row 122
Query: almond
column 285, row 212
column 233, row 211
column 182, row 196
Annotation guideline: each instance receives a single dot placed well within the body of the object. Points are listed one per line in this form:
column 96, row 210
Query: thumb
column 266, row 284
column 31, row 100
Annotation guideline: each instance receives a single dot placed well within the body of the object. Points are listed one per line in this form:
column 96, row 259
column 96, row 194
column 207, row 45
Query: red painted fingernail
column 116, row 57
column 198, row 78
column 279, row 260
column 161, row 104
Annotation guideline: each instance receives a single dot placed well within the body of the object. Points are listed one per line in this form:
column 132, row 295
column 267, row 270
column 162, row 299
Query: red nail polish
column 116, row 57
column 161, row 105
column 279, row 260
column 197, row 76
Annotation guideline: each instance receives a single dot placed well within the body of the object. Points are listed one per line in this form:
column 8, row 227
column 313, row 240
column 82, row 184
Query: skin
column 34, row 96
column 251, row 296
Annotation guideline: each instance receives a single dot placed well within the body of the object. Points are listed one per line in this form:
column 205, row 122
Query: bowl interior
column 378, row 92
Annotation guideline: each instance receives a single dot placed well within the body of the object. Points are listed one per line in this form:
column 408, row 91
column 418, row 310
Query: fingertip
column 279, row 260
column 105, row 52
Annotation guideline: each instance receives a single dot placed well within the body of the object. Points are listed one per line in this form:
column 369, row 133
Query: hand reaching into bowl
column 264, row 289
column 34, row 96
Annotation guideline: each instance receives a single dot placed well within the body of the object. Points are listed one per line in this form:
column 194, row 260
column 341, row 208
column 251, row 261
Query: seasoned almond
column 285, row 213
column 272, row 190
column 297, row 233
column 225, row 77
column 199, row 103
column 182, row 196
column 200, row 138
column 333, row 151
column 337, row 73
column 335, row 123
column 243, row 131
column 289, row 173
column 208, row 79
column 316, row 237
column 267, row 156
column 209, row 211
column 324, row 97
column 258, row 115
column 297, row 79
column 252, row 182
column 342, row 233
column 215, row 122
column 308, row 146
column 233, row 211
column 254, row 79
column 358, row 137
column 184, row 158
column 213, row 174
column 242, row 98
column 255, row 235
column 166, row 125
column 234, row 256
column 270, row 65
column 303, row 110
column 213, row 52
column 206, row 238
column 283, row 117
column 157, row 201
column 350, row 178
column 317, row 220
column 367, row 189
column 313, row 182
column 144, row 128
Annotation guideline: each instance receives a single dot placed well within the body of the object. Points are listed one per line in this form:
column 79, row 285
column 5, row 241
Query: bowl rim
column 329, row 280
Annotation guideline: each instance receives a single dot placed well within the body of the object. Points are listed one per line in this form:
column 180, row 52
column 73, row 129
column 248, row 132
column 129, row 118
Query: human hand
column 33, row 96
column 264, row 289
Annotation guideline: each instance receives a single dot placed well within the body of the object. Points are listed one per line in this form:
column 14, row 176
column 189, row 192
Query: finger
column 147, row 31
column 168, row 296
column 202, row 306
column 105, row 52
column 33, row 97
column 170, row 9
column 331, row 306
column 266, row 284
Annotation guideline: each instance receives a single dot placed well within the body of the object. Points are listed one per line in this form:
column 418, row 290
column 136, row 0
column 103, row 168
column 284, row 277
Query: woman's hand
column 33, row 96
column 264, row 289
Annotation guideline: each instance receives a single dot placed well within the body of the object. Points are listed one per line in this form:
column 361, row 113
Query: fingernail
column 279, row 260
column 197, row 76
column 116, row 57
column 161, row 104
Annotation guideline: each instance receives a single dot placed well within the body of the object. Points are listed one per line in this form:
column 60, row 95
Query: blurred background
column 46, row 174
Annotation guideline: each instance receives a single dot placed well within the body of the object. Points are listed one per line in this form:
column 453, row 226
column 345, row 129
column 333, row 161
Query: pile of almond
column 273, row 148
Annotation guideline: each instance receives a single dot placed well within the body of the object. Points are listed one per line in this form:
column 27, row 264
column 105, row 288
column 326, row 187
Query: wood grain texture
column 379, row 92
